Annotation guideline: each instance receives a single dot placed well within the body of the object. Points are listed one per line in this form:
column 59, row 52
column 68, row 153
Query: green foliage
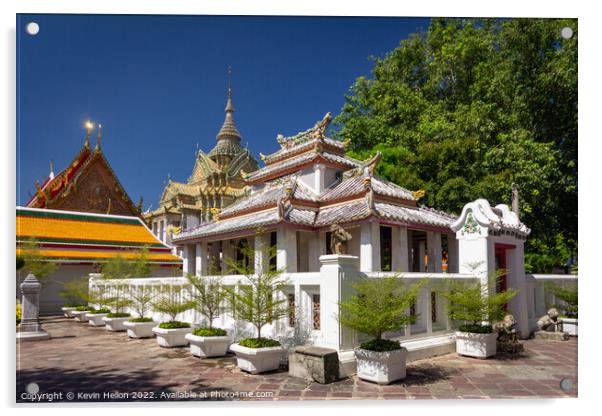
column 209, row 332
column 141, row 298
column 174, row 325
column 99, row 295
column 118, row 315
column 171, row 302
column 119, row 299
column 18, row 313
column 95, row 311
column 476, row 329
column 379, row 305
column 20, row 262
column 141, row 320
column 258, row 302
column 83, row 308
column 569, row 296
column 72, row 305
column 208, row 295
column 259, row 343
column 74, row 291
column 380, row 345
column 34, row 261
column 470, row 106
column 475, row 303
column 121, row 268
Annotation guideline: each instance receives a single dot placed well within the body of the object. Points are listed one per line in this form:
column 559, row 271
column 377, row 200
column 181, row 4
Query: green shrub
column 209, row 332
column 98, row 311
column 118, row 315
column 83, row 308
column 380, row 345
column 476, row 329
column 569, row 297
column 73, row 305
column 174, row 325
column 141, row 320
column 259, row 343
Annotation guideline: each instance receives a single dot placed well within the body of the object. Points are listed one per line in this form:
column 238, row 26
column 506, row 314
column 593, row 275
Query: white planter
column 140, row 329
column 381, row 367
column 95, row 319
column 68, row 311
column 172, row 337
column 570, row 326
column 205, row 347
column 115, row 324
column 257, row 360
column 476, row 345
column 80, row 316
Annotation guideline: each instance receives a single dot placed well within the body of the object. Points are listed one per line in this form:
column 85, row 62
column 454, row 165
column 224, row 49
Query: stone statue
column 338, row 239
column 550, row 322
column 507, row 335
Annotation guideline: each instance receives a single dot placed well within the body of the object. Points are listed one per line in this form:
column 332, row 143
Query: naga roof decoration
column 280, row 196
column 68, row 237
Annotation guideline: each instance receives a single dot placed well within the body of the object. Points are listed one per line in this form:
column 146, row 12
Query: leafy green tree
column 119, row 297
column 74, row 291
column 208, row 295
column 34, row 261
column 170, row 300
column 470, row 106
column 258, row 302
column 379, row 305
column 120, row 267
column 142, row 298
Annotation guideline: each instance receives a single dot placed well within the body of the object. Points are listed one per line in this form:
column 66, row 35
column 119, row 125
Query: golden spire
column 89, row 126
column 51, row 175
column 99, row 138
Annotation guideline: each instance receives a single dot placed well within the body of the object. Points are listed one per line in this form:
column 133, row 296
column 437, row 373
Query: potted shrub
column 142, row 297
column 74, row 291
column 80, row 314
column 115, row 321
column 172, row 333
column 258, row 303
column 208, row 294
column 98, row 295
column 477, row 305
column 378, row 306
column 568, row 306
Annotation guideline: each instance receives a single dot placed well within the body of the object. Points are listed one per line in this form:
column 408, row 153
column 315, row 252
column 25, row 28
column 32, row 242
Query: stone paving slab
column 93, row 364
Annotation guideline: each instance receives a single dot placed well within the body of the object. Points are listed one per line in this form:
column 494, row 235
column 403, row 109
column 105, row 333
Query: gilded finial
column 89, row 126
column 51, row 174
column 261, row 156
column 418, row 194
column 99, row 137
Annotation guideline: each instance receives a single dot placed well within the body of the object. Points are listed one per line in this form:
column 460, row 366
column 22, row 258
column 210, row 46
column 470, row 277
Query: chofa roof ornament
column 498, row 219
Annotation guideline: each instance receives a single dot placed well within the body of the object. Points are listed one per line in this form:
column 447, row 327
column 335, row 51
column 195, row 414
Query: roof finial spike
column 51, row 174
column 89, row 126
column 99, row 138
column 229, row 105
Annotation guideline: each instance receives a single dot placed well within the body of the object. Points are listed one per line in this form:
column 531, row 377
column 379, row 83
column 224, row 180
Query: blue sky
column 158, row 85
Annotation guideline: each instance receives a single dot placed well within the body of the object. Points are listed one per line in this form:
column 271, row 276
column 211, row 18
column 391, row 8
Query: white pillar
column 370, row 247
column 452, row 253
column 433, row 246
column 286, row 257
column 227, row 253
column 188, row 259
column 319, row 178
column 262, row 252
column 314, row 252
column 201, row 259
column 518, row 281
column 337, row 274
column 399, row 237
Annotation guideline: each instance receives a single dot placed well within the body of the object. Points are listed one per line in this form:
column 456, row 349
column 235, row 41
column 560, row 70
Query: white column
column 399, row 237
column 518, row 281
column 319, row 178
column 337, row 274
column 261, row 252
column 201, row 259
column 370, row 247
column 421, row 254
column 227, row 253
column 314, row 252
column 452, row 253
column 286, row 257
column 433, row 246
column 188, row 259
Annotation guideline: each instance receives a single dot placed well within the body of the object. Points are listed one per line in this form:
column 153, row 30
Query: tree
column 170, row 301
column 74, row 291
column 569, row 299
column 258, row 302
column 470, row 106
column 379, row 305
column 34, row 260
column 120, row 267
column 475, row 303
column 142, row 298
column 208, row 295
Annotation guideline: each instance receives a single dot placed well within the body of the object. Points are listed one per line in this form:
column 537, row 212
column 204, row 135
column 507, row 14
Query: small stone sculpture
column 550, row 322
column 507, row 335
column 338, row 239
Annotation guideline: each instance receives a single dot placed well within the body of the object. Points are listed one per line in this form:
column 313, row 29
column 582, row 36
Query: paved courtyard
column 81, row 363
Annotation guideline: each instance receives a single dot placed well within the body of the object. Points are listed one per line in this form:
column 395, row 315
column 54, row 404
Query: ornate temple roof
column 358, row 195
column 79, row 237
column 228, row 137
column 77, row 188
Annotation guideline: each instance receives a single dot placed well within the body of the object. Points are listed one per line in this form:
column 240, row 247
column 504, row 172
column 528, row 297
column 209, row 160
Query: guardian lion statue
column 551, row 322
